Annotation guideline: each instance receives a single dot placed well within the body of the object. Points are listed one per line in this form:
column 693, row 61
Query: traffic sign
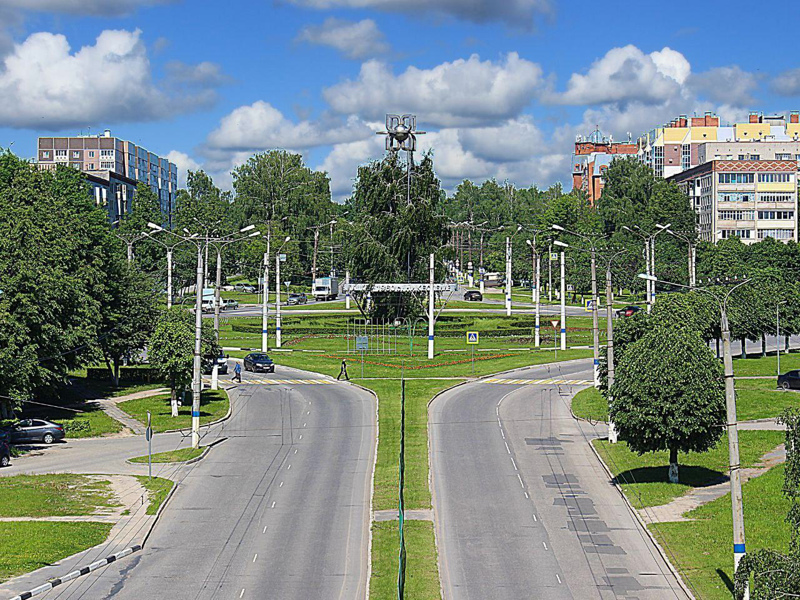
column 554, row 323
column 362, row 342
column 589, row 305
column 282, row 257
column 472, row 337
column 148, row 434
column 570, row 287
column 554, row 256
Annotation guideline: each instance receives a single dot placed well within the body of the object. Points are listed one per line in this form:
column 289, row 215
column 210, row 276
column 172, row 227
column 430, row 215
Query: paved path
column 523, row 507
column 279, row 509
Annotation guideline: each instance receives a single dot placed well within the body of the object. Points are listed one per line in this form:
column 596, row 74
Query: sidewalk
column 109, row 406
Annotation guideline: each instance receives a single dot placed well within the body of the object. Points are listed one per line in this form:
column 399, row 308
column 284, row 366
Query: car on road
column 297, row 299
column 473, row 296
column 5, row 452
column 789, row 380
column 245, row 288
column 628, row 311
column 208, row 364
column 258, row 362
column 228, row 304
column 35, row 430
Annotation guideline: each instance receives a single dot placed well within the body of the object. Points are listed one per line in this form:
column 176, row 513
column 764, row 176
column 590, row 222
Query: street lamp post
column 278, row 337
column 692, row 255
column 169, row 248
column 778, row 332
column 563, row 295
column 536, row 291
column 731, row 424
column 265, row 299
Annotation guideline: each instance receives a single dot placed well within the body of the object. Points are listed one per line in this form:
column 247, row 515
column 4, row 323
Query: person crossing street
column 237, row 373
column 343, row 371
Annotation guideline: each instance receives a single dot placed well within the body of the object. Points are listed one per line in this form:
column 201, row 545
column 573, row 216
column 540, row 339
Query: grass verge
column 760, row 399
column 170, row 456
column 590, row 404
column 53, row 495
column 27, row 546
column 213, row 405
column 157, row 490
column 767, row 365
column 422, row 571
column 701, row 548
column 645, row 479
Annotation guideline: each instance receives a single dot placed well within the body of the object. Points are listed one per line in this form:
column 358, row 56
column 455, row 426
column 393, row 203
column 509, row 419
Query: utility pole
column 612, row 430
column 481, row 270
column 535, row 290
column 537, row 337
column 431, row 302
column 508, row 276
column 169, row 277
column 563, row 305
column 550, row 272
column 197, row 382
column 347, row 289
column 595, row 322
column 277, row 300
column 265, row 299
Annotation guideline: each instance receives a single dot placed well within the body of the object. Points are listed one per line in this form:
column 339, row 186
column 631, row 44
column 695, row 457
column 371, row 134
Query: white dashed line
column 301, row 436
column 520, row 481
column 559, row 578
column 304, row 424
column 265, row 529
column 281, row 485
column 503, row 434
column 289, row 467
column 273, row 505
column 514, row 463
column 545, row 545
column 242, row 593
column 295, row 450
column 534, row 516
column 255, row 557
column 528, row 498
column 507, row 448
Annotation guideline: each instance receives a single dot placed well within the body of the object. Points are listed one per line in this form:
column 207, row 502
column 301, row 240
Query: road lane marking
column 520, row 481
column 536, row 382
column 514, row 463
column 242, row 593
column 263, row 381
column 295, row 450
column 301, row 436
column 528, row 497
column 559, row 578
column 545, row 545
column 273, row 505
column 289, row 467
column 507, row 448
column 281, row 485
column 255, row 557
column 265, row 529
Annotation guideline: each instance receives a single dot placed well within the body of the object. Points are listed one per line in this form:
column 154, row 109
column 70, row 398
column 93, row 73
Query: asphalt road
column 523, row 507
column 279, row 509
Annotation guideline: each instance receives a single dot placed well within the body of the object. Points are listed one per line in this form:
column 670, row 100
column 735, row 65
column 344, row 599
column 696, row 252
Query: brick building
column 590, row 160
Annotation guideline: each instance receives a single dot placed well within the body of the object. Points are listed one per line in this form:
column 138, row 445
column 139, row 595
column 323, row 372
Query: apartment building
column 113, row 167
column 751, row 199
column 590, row 160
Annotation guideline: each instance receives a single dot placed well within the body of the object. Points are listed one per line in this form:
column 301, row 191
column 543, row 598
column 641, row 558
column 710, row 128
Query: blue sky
column 503, row 86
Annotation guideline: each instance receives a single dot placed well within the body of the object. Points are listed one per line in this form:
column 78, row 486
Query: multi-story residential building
column 590, row 160
column 113, row 167
column 749, row 199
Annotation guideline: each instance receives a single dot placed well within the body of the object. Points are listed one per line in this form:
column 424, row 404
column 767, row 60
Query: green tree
column 675, row 404
column 775, row 575
column 171, row 349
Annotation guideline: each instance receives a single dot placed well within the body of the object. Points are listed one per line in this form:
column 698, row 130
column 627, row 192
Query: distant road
column 523, row 507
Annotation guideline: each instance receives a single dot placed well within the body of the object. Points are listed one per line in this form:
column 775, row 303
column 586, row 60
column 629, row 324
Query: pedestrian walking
column 237, row 373
column 343, row 371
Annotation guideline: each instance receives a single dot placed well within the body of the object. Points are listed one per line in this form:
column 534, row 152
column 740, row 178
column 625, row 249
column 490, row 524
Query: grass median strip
column 645, row 479
column 590, row 404
column 213, row 406
column 701, row 548
column 27, row 546
column 422, row 572
column 171, row 456
column 158, row 488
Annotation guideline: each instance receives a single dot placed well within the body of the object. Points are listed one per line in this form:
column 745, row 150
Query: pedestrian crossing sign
column 472, row 337
column 589, row 305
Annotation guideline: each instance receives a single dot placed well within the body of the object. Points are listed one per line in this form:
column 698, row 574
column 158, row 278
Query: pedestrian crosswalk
column 265, row 381
column 556, row 381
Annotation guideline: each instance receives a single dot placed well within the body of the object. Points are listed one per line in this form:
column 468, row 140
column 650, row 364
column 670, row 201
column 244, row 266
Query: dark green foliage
column 774, row 575
column 668, row 392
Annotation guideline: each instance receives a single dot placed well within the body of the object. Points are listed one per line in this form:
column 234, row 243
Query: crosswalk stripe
column 537, row 381
column 257, row 381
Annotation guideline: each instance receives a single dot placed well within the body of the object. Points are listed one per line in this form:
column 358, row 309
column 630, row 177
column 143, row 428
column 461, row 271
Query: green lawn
column 590, row 404
column 645, row 481
column 171, row 456
column 27, row 546
column 749, row 367
column 702, row 548
column 53, row 495
column 157, row 488
column 387, row 477
column 213, row 405
column 760, row 399
column 91, row 421
column 422, row 570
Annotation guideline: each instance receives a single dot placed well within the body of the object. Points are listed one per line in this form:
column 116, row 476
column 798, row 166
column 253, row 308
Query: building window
column 658, row 161
column 775, row 198
column 46, row 154
column 106, row 165
column 782, row 156
column 778, row 234
column 740, row 233
column 91, row 167
column 61, row 154
column 736, row 177
column 76, row 154
column 686, row 156
column 736, row 215
column 776, row 215
column 735, row 197
column 106, row 153
column 774, row 177
column 91, row 153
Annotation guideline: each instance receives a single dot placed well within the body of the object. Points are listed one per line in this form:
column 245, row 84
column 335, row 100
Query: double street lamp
column 730, row 405
column 650, row 257
column 277, row 293
column 197, row 383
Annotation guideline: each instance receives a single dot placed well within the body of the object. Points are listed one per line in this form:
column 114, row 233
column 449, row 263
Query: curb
column 78, row 573
column 642, row 524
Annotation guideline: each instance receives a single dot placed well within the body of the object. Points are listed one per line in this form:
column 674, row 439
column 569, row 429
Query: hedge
column 133, row 374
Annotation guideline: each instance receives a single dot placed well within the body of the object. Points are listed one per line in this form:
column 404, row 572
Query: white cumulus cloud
column 518, row 13
column 728, row 85
column 185, row 163
column 44, row 85
column 355, row 40
column 467, row 92
column 787, row 83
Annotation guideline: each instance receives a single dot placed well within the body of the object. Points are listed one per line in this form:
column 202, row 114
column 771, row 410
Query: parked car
column 229, row 304
column 5, row 452
column 628, row 311
column 297, row 299
column 473, row 296
column 35, row 430
column 258, row 362
column 245, row 288
column 221, row 360
column 789, row 381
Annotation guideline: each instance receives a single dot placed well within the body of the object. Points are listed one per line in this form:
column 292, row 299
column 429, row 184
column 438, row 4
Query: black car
column 258, row 362
column 35, row 430
column 297, row 299
column 473, row 296
column 628, row 311
column 5, row 452
column 789, row 381
column 221, row 360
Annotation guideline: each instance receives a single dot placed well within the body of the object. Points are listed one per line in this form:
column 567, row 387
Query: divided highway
column 279, row 509
column 523, row 507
